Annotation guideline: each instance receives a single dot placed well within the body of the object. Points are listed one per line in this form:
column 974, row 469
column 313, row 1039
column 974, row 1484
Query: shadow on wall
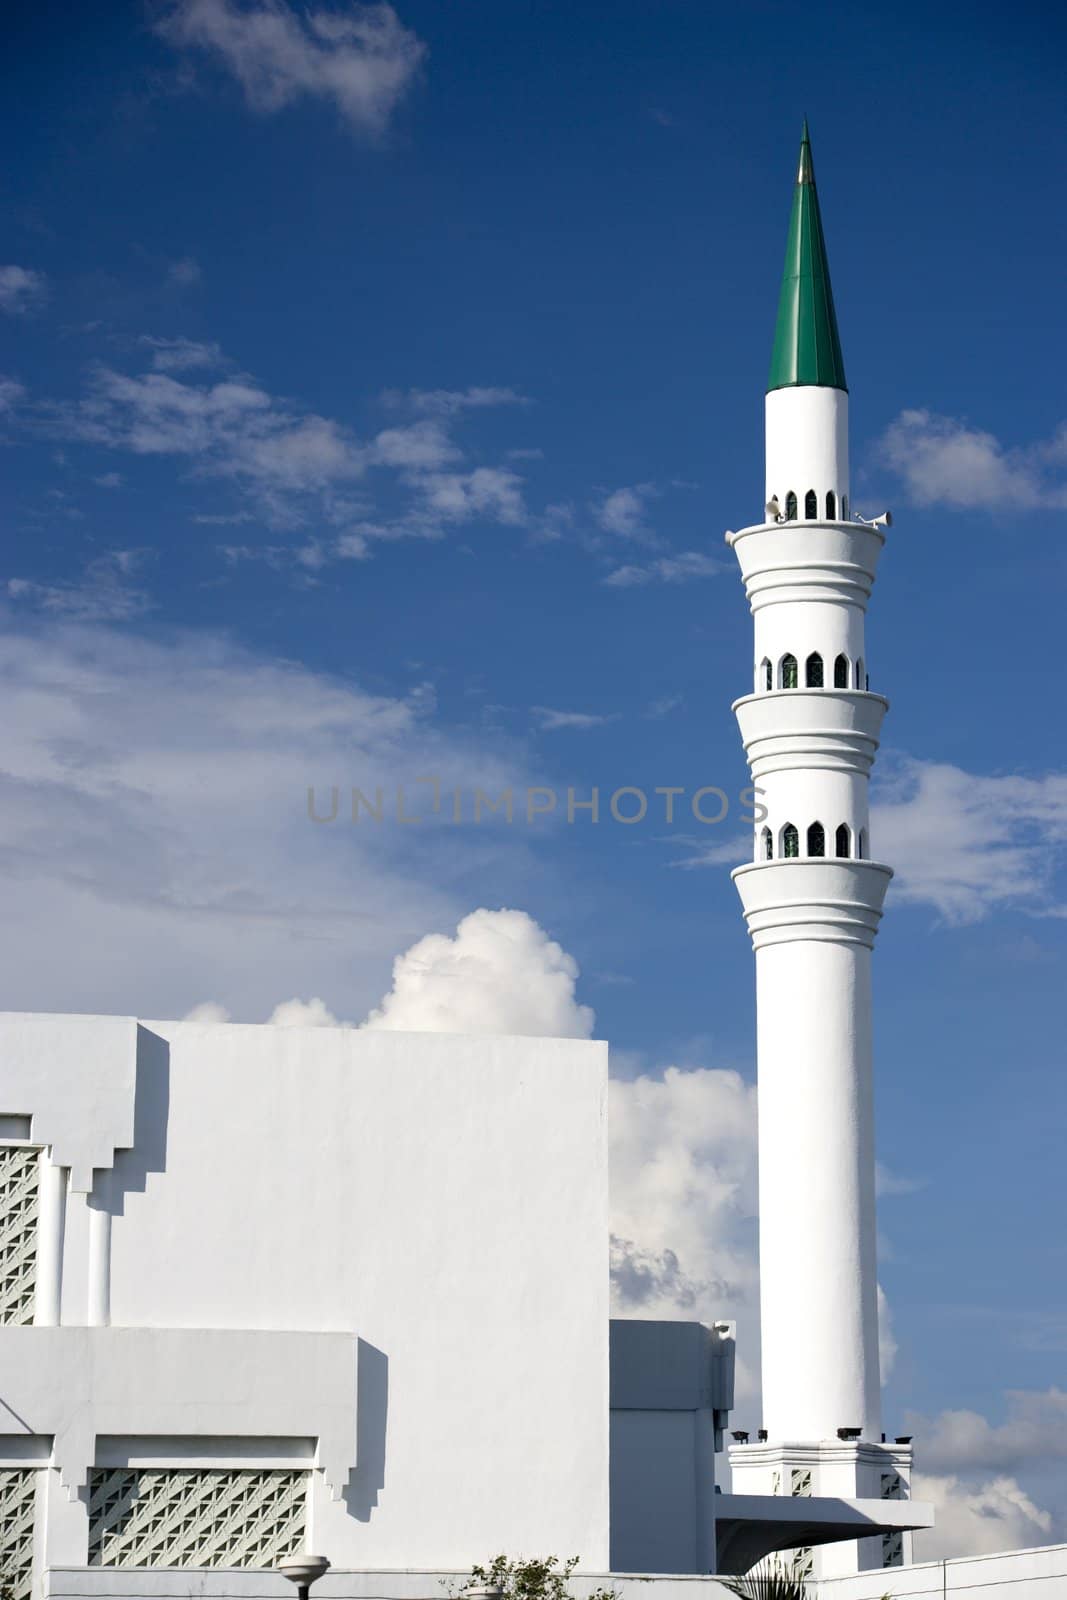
column 151, row 1110
column 372, row 1410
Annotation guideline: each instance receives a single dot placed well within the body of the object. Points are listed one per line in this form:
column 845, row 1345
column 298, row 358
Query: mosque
column 267, row 1291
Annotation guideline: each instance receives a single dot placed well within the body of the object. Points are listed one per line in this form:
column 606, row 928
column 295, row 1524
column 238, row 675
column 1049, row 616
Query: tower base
column 851, row 1469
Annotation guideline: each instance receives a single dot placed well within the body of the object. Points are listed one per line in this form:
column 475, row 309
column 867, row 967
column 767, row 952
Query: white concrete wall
column 443, row 1198
column 1015, row 1575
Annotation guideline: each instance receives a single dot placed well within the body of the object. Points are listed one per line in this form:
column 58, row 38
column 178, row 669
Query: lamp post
column 303, row 1570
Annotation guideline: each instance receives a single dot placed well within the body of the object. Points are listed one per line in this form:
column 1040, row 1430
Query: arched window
column 861, row 845
column 859, row 674
column 767, row 674
column 842, row 841
column 790, row 507
column 831, row 506
column 811, row 504
column 790, row 842
column 789, row 672
column 844, row 508
column 841, row 672
column 816, row 840
column 813, row 670
column 767, row 841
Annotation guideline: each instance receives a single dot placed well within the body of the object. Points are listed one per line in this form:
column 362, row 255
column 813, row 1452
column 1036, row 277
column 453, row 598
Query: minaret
column 812, row 898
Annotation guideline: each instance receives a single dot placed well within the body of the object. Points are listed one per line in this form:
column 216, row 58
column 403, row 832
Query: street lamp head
column 302, row 1569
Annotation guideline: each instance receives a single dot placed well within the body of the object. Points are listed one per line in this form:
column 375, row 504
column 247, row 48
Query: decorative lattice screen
column 19, row 1171
column 185, row 1518
column 18, row 1489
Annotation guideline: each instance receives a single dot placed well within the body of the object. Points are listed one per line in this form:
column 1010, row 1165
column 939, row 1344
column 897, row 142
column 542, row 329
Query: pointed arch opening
column 844, row 508
column 811, row 504
column 843, row 841
column 831, row 506
column 788, row 672
column 841, row 672
column 813, row 671
column 790, row 842
column 790, row 507
column 767, row 845
column 816, row 839
column 766, row 673
column 860, row 680
column 861, row 845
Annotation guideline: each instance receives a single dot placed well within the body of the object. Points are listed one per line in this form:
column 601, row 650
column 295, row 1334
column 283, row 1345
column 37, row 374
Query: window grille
column 816, row 840
column 789, row 672
column 892, row 1543
column 813, row 670
column 194, row 1518
column 841, row 673
column 790, row 841
column 811, row 504
column 18, row 1494
column 842, row 841
column 801, row 1481
column 19, row 1178
column 790, row 507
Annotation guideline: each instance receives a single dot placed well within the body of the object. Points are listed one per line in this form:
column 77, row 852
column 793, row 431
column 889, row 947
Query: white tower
column 812, row 899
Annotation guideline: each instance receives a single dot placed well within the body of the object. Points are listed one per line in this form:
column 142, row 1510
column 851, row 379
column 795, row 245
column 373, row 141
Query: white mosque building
column 271, row 1290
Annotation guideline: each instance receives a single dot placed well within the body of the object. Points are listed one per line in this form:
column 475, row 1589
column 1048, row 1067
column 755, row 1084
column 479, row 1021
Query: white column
column 51, row 1222
column 819, row 1313
column 99, row 1306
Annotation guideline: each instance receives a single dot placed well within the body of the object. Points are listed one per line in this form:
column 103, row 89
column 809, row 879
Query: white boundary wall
column 1039, row 1574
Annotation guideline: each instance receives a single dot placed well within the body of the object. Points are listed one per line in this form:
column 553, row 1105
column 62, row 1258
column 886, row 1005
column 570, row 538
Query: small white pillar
column 99, row 1305
column 51, row 1225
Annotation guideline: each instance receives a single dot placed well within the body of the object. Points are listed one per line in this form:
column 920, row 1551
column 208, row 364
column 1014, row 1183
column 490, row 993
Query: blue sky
column 377, row 393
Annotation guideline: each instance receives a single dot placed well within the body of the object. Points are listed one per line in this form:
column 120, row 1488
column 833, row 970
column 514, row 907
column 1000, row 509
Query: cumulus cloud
column 1035, row 1428
column 155, row 842
column 977, row 1519
column 944, row 461
column 622, row 511
column 500, row 973
column 488, row 491
column 968, row 844
column 681, row 568
column 22, row 290
column 314, row 1013
column 361, row 58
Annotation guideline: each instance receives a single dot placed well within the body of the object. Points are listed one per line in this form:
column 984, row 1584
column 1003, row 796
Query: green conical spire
column 807, row 348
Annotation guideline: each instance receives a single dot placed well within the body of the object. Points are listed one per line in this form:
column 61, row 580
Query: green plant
column 528, row 1579
column 770, row 1584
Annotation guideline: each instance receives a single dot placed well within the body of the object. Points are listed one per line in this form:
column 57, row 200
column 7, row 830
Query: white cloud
column 977, row 1519
column 493, row 492
column 622, row 511
column 959, row 1441
column 314, row 1013
column 185, row 272
column 182, row 355
column 22, row 290
column 419, row 447
column 965, row 843
column 209, row 1011
column 550, row 721
column 449, row 402
column 682, row 568
column 11, row 392
column 944, row 461
column 155, row 844
column 109, row 480
column 104, row 593
column 361, row 59
column 501, row 973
